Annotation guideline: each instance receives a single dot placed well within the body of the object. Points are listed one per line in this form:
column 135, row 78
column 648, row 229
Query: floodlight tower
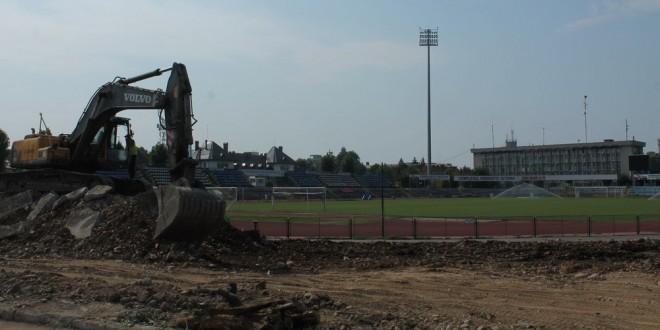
column 428, row 38
column 585, row 120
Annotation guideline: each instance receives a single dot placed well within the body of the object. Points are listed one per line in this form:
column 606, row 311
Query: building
column 212, row 156
column 595, row 158
column 254, row 166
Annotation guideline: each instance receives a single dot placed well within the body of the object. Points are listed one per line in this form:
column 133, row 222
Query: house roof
column 276, row 156
column 213, row 151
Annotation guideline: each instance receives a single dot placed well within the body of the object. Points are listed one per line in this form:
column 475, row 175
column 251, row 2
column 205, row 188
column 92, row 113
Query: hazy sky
column 315, row 76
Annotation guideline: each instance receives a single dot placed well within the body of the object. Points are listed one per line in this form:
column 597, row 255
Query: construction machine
column 69, row 161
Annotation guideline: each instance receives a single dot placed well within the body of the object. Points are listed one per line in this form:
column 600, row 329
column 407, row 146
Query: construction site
column 83, row 250
column 61, row 270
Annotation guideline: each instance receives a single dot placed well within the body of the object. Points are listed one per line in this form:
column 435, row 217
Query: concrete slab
column 97, row 192
column 43, row 205
column 81, row 223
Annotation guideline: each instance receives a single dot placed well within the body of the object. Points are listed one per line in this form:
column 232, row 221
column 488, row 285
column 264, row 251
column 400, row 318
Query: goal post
column 228, row 194
column 311, row 196
column 600, row 191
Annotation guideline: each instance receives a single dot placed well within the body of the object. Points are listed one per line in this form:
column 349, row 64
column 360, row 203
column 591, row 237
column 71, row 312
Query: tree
column 158, row 154
column 303, row 164
column 143, row 156
column 340, row 158
column 327, row 163
column 349, row 162
column 4, row 149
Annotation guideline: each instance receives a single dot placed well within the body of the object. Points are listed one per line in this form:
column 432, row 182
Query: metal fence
column 427, row 228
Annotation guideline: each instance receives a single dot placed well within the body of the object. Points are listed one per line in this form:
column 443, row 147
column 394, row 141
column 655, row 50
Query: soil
column 121, row 278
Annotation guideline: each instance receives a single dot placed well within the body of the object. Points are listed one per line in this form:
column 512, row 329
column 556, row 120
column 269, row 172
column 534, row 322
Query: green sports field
column 466, row 207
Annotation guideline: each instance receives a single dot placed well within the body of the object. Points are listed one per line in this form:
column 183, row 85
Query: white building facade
column 607, row 157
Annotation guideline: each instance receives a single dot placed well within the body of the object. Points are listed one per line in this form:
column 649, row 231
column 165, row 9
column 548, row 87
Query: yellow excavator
column 69, row 161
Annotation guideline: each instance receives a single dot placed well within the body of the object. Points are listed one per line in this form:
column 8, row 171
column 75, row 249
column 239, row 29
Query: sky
column 316, row 76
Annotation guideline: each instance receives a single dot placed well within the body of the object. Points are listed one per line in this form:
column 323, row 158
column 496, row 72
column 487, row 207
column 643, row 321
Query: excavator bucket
column 187, row 214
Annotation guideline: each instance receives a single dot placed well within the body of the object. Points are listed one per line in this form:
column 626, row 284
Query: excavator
column 69, row 161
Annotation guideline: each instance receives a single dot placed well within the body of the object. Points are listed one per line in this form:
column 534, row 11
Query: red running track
column 437, row 228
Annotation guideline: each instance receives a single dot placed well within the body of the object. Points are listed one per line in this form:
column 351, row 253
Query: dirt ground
column 120, row 278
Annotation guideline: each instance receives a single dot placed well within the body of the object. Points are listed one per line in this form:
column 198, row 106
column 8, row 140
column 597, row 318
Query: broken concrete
column 97, row 192
column 15, row 202
column 43, row 205
column 70, row 197
column 81, row 223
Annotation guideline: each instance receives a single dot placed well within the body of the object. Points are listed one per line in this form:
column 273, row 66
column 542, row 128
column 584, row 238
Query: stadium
column 599, row 188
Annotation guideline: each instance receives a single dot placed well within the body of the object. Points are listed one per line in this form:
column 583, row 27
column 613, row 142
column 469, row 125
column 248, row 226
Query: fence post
column 589, row 225
column 288, row 228
column 319, row 227
column 350, row 228
column 255, row 223
column 414, row 228
column 534, row 228
column 637, row 224
column 476, row 227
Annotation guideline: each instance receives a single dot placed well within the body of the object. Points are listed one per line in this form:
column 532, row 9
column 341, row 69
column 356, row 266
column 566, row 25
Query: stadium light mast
column 585, row 120
column 428, row 38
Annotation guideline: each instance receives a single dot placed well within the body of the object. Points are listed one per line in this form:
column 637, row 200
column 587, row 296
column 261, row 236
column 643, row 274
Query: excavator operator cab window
column 98, row 139
column 109, row 144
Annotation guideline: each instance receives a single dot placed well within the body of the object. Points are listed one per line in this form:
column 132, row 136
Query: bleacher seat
column 160, row 174
column 202, row 175
column 229, row 178
column 302, row 179
column 337, row 180
column 373, row 181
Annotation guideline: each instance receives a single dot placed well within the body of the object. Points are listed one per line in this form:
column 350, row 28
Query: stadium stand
column 302, row 179
column 203, row 176
column 160, row 175
column 229, row 178
column 646, row 191
column 373, row 181
column 337, row 180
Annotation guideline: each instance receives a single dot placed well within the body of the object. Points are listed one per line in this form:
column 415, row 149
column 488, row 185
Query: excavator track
column 46, row 180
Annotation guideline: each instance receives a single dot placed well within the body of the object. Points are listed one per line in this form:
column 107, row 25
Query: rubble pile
column 123, row 229
column 98, row 225
column 105, row 226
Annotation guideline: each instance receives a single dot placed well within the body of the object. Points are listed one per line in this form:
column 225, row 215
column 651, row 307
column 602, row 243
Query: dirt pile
column 154, row 281
column 125, row 233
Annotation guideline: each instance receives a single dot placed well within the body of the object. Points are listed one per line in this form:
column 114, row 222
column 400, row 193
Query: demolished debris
column 234, row 279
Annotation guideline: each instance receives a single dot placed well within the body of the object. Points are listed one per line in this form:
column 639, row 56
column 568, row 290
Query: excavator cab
column 112, row 154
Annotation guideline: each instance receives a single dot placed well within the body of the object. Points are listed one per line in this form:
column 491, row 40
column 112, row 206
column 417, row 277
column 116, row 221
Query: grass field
column 467, row 207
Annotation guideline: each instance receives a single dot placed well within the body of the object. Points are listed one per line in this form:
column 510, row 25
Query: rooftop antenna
column 492, row 134
column 585, row 120
column 626, row 129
